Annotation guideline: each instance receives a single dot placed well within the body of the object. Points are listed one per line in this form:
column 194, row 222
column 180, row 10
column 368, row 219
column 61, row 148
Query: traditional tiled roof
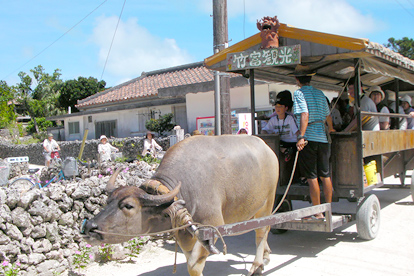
column 148, row 84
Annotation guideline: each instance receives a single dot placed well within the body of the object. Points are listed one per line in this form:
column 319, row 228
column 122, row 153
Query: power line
column 41, row 52
column 404, row 8
column 113, row 38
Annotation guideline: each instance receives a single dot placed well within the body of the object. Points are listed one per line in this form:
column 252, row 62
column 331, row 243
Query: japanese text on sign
column 264, row 58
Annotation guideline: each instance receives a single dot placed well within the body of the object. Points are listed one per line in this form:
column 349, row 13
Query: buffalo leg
column 196, row 259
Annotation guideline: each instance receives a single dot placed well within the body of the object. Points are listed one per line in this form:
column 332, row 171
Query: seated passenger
column 285, row 125
column 392, row 108
column 286, row 96
column 406, row 105
column 366, row 105
column 336, row 114
column 377, row 96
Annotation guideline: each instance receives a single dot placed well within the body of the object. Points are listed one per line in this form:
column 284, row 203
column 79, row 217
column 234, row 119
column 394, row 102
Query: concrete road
column 305, row 253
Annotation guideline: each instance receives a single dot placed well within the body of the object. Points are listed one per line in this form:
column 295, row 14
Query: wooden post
column 220, row 33
column 85, row 135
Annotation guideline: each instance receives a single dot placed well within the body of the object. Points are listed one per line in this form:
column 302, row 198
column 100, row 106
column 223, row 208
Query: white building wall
column 202, row 104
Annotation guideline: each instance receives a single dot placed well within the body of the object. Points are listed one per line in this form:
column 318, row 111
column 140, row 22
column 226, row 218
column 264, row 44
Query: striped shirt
column 312, row 101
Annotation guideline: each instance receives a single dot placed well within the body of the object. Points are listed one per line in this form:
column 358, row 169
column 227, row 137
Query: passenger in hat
column 378, row 96
column 392, row 108
column 406, row 105
column 49, row 146
column 242, row 131
column 150, row 145
column 286, row 96
column 105, row 149
column 311, row 110
column 366, row 105
column 283, row 124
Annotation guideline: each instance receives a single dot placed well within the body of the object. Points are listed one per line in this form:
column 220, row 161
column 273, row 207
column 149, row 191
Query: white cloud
column 330, row 16
column 134, row 49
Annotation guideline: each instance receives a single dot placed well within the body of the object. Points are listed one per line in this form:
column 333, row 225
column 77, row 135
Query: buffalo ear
column 110, row 186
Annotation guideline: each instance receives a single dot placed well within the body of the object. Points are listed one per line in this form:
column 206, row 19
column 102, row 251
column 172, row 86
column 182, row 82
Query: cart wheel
column 412, row 185
column 368, row 217
column 285, row 207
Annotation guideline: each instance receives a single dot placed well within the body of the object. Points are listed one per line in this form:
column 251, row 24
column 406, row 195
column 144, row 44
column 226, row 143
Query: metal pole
column 220, row 33
column 252, row 101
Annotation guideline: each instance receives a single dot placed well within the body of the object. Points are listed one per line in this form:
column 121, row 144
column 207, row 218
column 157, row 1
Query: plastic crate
column 70, row 167
column 4, row 173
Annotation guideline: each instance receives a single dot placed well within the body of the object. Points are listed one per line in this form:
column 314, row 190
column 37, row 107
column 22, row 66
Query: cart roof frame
column 331, row 56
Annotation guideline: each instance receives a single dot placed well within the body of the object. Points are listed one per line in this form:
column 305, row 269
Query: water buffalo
column 222, row 179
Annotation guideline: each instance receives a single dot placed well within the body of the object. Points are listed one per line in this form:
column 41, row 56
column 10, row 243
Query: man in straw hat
column 311, row 110
column 366, row 105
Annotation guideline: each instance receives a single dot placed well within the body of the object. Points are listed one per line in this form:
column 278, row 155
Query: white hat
column 391, row 95
column 102, row 137
column 376, row 88
column 407, row 99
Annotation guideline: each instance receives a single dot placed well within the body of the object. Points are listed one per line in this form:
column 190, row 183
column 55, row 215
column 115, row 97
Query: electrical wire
column 404, row 8
column 113, row 38
column 56, row 40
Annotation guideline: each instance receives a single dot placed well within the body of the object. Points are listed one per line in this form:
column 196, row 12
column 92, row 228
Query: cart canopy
column 331, row 56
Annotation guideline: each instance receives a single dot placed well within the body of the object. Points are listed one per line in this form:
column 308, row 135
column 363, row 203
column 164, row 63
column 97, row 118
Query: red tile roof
column 147, row 84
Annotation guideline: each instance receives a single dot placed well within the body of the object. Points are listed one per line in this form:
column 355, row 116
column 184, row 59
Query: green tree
column 404, row 46
column 161, row 125
column 73, row 90
column 7, row 114
column 39, row 95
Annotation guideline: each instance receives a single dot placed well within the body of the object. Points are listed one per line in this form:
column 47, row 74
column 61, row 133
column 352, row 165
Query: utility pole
column 222, row 82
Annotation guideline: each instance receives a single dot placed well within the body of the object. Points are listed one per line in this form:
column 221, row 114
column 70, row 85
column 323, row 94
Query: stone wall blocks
column 13, row 232
column 27, row 198
column 39, row 231
column 4, row 239
column 42, row 246
column 36, row 258
column 20, row 217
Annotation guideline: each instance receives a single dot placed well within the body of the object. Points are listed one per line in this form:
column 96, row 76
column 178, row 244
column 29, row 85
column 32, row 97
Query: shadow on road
column 287, row 248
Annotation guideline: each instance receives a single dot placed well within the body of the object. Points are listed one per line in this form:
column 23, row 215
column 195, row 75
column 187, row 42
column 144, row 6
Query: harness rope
column 183, row 217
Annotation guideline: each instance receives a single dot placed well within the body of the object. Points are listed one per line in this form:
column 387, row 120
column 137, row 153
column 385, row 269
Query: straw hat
column 302, row 71
column 376, row 88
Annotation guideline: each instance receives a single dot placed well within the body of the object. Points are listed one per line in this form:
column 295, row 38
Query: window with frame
column 74, row 128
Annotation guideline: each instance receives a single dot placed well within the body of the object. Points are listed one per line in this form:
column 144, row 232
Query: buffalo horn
column 157, row 200
column 110, row 186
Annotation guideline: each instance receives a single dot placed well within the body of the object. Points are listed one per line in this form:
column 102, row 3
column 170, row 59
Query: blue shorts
column 314, row 160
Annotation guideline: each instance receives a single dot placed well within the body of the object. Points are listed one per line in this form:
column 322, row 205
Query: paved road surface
column 303, row 253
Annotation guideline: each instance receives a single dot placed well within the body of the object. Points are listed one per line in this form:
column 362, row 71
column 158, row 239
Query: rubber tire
column 412, row 186
column 285, row 207
column 368, row 217
column 23, row 185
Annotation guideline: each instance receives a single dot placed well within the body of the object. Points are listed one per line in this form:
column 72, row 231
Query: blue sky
column 159, row 34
